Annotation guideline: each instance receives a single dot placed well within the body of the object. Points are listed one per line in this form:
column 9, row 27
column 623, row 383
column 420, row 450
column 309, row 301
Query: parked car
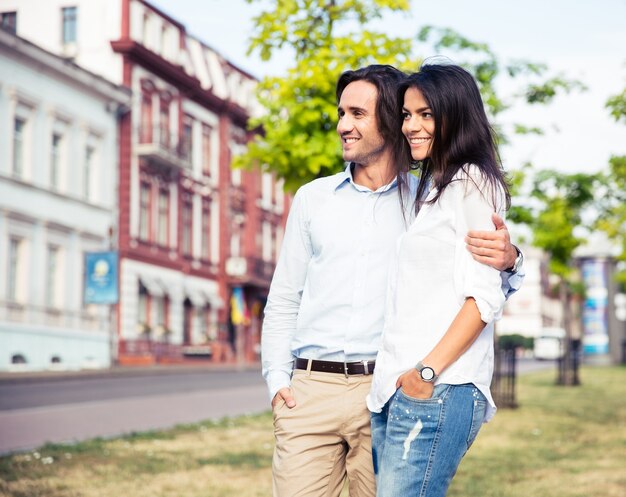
column 550, row 344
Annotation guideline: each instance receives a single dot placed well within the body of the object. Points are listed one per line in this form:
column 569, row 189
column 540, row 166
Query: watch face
column 427, row 373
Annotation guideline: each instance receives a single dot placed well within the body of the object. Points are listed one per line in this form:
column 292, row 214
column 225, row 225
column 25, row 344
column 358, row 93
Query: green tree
column 613, row 212
column 555, row 211
column 297, row 138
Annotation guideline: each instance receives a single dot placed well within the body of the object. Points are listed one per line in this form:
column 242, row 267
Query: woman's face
column 418, row 125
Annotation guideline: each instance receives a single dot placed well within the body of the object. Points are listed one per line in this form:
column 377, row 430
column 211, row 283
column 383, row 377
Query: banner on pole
column 101, row 281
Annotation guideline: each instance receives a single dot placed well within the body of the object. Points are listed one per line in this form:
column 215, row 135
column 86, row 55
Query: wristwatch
column 519, row 260
column 426, row 373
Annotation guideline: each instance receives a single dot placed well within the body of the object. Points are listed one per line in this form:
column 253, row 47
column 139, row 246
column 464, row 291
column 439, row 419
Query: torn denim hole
column 412, row 436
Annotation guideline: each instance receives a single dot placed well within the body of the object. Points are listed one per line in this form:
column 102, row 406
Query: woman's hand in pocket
column 413, row 385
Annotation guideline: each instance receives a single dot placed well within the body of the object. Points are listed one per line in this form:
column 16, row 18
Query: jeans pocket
column 479, row 408
column 438, row 393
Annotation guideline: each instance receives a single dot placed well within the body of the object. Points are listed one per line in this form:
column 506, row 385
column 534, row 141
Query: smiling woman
column 430, row 393
column 418, row 123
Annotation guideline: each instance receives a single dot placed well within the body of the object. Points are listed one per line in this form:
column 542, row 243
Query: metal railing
column 30, row 314
column 504, row 377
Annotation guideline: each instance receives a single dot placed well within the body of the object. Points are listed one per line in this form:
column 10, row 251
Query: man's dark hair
column 386, row 79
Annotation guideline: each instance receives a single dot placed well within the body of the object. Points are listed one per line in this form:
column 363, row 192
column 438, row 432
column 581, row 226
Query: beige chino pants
column 324, row 438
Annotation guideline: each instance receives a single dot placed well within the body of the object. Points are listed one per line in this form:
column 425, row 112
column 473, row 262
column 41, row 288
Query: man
column 325, row 310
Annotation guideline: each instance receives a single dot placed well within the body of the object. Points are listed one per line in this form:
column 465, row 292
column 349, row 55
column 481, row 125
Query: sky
column 581, row 39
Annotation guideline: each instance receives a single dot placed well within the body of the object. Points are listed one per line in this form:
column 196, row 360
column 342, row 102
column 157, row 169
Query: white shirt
column 327, row 297
column 431, row 278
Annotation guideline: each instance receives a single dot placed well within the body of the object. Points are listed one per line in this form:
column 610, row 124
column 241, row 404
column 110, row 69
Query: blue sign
column 595, row 308
column 101, row 278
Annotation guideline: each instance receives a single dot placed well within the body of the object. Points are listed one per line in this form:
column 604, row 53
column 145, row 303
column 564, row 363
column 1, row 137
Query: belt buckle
column 366, row 370
column 345, row 368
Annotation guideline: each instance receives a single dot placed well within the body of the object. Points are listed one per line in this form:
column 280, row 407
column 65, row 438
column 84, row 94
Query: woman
column 430, row 391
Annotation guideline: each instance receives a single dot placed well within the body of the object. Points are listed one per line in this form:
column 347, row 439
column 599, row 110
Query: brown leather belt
column 346, row 368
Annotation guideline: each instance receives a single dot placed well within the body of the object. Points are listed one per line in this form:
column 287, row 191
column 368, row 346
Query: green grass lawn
column 560, row 442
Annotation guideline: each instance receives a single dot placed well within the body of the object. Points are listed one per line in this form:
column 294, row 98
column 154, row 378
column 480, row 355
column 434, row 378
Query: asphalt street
column 74, row 407
column 70, row 407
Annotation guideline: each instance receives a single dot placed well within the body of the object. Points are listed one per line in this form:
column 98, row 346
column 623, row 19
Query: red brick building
column 189, row 229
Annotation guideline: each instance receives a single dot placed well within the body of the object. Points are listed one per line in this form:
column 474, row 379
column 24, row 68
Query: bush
column 515, row 341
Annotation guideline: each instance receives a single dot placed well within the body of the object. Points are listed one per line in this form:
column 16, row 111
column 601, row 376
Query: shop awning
column 196, row 296
column 201, row 297
column 154, row 286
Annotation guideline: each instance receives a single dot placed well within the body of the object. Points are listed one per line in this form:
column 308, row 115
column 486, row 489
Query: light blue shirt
column 327, row 297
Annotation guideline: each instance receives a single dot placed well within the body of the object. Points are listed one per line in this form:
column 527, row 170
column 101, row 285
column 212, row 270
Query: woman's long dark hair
column 463, row 135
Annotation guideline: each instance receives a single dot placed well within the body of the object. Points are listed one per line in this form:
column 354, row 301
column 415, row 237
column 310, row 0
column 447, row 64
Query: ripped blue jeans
column 418, row 444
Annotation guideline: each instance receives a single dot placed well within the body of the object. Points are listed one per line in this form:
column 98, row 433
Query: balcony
column 250, row 270
column 161, row 147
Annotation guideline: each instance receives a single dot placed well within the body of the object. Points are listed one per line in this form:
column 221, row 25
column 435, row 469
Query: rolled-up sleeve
column 474, row 202
column 512, row 282
column 285, row 295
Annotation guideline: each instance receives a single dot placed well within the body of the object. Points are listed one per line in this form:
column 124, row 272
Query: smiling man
column 325, row 311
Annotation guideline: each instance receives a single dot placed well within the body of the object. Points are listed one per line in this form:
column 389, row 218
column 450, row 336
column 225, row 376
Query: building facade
column 58, row 174
column 197, row 240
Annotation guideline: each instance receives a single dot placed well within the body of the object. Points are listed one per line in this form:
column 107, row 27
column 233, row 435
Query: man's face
column 361, row 141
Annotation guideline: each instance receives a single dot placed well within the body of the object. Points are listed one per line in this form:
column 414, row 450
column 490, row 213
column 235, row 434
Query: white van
column 550, row 344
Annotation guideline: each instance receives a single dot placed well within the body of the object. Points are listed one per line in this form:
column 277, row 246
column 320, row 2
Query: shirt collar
column 346, row 177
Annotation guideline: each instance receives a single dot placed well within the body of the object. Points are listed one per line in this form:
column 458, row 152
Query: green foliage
column 520, row 129
column 515, row 341
column 298, row 140
column 612, row 219
column 617, row 105
column 544, row 92
column 553, row 210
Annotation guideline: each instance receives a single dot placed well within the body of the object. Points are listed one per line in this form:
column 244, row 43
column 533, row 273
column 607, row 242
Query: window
column 187, row 226
column 206, row 149
column 142, row 307
column 52, row 276
column 18, row 147
column 279, row 196
column 164, row 204
column 206, row 232
column 55, row 161
column 88, row 171
column 8, row 22
column 187, row 141
column 278, row 241
column 235, row 174
column 146, row 29
column 145, row 127
column 15, row 259
column 235, row 243
column 266, row 247
column 164, row 123
column 267, row 184
column 144, row 211
column 163, row 40
column 159, row 310
column 69, row 24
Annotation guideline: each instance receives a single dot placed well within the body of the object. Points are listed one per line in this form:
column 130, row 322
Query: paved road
column 36, row 410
